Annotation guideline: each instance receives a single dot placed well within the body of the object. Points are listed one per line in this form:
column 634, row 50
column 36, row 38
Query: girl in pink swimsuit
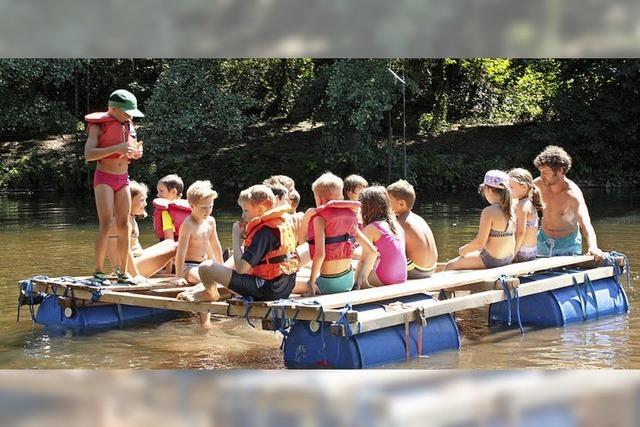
column 382, row 229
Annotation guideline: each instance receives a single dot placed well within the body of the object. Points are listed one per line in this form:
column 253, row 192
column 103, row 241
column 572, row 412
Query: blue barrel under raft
column 312, row 345
column 577, row 303
column 51, row 314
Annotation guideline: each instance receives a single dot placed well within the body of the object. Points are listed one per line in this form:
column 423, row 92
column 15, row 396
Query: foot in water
column 199, row 294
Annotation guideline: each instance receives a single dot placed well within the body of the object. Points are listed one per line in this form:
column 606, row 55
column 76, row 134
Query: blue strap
column 515, row 300
column 283, row 326
column 320, row 318
column 505, row 287
column 516, row 292
column 581, row 298
column 342, row 320
column 246, row 302
column 26, row 288
column 618, row 270
column 95, row 295
column 120, row 314
column 589, row 285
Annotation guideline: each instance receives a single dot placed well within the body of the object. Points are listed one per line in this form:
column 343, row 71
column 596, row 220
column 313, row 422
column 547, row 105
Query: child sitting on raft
column 142, row 262
column 169, row 189
column 529, row 203
column 112, row 143
column 264, row 258
column 383, row 230
column 353, row 186
column 495, row 242
column 332, row 228
column 294, row 201
column 198, row 239
column 422, row 254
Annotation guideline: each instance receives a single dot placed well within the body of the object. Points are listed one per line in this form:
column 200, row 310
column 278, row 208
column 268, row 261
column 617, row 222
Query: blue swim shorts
column 568, row 245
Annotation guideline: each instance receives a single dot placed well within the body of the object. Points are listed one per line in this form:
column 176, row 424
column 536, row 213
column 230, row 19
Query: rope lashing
column 515, row 299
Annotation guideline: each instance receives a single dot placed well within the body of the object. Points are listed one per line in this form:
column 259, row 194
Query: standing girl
column 381, row 228
column 112, row 143
column 529, row 203
column 495, row 242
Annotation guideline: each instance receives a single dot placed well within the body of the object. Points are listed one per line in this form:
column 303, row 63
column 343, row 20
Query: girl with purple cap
column 495, row 242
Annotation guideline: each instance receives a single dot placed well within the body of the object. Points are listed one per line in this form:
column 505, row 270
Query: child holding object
column 112, row 143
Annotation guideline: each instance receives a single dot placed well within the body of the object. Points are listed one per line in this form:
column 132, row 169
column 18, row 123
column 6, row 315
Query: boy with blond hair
column 263, row 253
column 198, row 239
column 422, row 254
column 331, row 229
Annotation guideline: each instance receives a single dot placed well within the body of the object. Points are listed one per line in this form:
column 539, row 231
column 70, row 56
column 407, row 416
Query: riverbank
column 457, row 159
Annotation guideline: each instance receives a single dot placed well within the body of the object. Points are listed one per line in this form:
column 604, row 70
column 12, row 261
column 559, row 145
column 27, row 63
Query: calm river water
column 44, row 234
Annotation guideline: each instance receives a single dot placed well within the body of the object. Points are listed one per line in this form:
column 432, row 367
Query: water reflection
column 55, row 236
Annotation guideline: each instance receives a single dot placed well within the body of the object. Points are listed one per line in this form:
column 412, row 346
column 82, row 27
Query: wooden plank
column 368, row 321
column 221, row 308
column 162, row 283
column 436, row 282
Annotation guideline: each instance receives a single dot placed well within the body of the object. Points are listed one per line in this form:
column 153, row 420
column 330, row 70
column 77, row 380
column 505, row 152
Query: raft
column 368, row 327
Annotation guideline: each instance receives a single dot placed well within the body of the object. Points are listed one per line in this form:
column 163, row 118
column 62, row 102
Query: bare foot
column 211, row 295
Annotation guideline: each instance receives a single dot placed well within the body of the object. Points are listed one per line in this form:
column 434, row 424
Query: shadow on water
column 46, row 234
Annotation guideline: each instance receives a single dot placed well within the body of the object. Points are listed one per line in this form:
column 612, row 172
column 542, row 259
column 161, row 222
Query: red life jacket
column 282, row 260
column 340, row 230
column 113, row 132
column 178, row 209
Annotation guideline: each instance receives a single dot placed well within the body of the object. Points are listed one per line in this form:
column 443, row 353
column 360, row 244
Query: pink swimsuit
column 116, row 182
column 392, row 264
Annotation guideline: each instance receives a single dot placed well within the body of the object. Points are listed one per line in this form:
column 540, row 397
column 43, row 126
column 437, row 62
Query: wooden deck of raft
column 338, row 309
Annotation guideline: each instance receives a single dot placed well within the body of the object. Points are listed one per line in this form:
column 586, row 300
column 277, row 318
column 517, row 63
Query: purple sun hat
column 496, row 178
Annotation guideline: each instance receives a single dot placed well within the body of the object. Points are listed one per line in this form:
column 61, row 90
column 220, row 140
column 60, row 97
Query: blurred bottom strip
column 329, row 398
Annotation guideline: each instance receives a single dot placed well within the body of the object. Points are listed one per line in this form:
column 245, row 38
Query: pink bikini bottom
column 117, row 182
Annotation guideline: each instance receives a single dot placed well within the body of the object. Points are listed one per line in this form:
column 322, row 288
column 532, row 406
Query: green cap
column 124, row 100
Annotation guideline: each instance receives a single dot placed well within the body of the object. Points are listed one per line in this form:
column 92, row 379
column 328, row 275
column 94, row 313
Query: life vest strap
column 335, row 239
column 276, row 259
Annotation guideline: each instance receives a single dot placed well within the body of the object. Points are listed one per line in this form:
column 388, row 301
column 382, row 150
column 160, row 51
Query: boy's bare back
column 420, row 243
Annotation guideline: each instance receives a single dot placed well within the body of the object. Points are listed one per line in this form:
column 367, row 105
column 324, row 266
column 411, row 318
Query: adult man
column 565, row 213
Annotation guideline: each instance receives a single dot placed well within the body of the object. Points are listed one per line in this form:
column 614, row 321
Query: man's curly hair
column 555, row 157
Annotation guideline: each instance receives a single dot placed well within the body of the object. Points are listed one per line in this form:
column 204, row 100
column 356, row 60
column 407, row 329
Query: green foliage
column 191, row 113
column 214, row 118
column 29, row 90
column 274, row 85
column 357, row 95
column 431, row 124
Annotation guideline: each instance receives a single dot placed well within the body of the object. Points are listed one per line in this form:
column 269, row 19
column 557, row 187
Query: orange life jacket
column 340, row 230
column 282, row 260
column 179, row 210
column 112, row 133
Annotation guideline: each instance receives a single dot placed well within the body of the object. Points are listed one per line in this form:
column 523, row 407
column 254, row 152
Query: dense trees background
column 236, row 120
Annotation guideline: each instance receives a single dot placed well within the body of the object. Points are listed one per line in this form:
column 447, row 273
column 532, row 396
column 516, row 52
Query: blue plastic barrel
column 51, row 314
column 604, row 297
column 307, row 348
